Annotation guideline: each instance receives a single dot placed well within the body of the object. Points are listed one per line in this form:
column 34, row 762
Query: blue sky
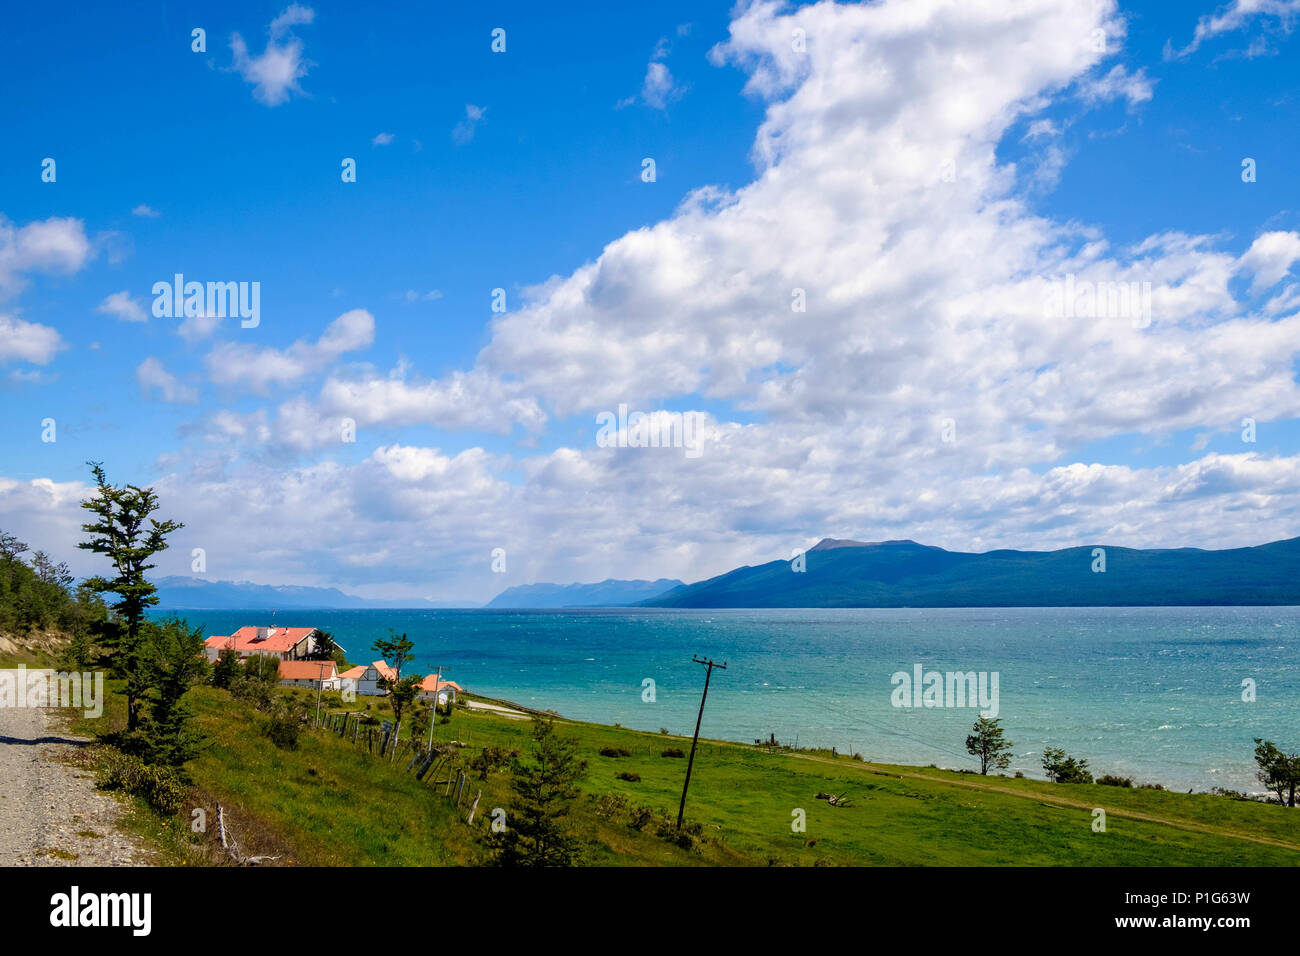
column 522, row 170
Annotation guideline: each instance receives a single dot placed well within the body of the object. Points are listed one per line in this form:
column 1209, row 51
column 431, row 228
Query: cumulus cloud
column 153, row 377
column 195, row 328
column 878, row 323
column 464, row 130
column 123, row 307
column 239, row 363
column 1119, row 83
column 275, row 72
column 382, row 139
column 27, row 341
column 146, row 211
column 1270, row 257
column 56, row 246
column 659, row 88
column 464, row 400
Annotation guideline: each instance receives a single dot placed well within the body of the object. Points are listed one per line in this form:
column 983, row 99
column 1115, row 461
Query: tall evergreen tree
column 172, row 661
column 119, row 531
column 544, row 790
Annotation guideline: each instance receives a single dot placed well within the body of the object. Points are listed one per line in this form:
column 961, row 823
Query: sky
column 979, row 274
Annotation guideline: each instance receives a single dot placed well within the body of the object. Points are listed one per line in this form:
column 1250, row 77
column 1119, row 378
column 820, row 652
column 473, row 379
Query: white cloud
column 464, row 131
column 232, row 363
column 195, row 328
column 55, row 246
column 1236, row 15
column 464, row 400
column 292, row 16
column 125, row 308
column 276, row 71
column 1270, row 257
column 413, row 296
column 145, row 210
column 925, row 301
column 152, row 376
column 382, row 139
column 27, row 341
column 1118, row 83
column 659, row 88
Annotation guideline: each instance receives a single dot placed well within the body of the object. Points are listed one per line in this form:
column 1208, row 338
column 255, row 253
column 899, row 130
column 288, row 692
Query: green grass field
column 331, row 803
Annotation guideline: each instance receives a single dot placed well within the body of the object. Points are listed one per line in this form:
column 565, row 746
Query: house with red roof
column 365, row 679
column 317, row 675
column 286, row 643
column 444, row 690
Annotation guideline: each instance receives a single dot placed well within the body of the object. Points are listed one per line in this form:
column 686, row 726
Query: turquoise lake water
column 1152, row 693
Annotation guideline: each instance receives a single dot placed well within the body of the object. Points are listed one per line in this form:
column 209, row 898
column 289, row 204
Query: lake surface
column 1152, row 693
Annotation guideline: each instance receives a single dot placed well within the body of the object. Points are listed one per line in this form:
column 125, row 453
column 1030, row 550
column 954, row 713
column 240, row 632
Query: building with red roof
column 444, row 690
column 286, row 643
column 323, row 675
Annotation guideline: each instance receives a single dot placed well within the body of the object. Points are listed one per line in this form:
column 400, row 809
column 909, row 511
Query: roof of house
column 354, row 673
column 431, row 684
column 277, row 640
column 307, row 670
column 386, row 672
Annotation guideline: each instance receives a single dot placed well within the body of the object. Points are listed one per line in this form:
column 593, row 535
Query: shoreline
column 497, row 704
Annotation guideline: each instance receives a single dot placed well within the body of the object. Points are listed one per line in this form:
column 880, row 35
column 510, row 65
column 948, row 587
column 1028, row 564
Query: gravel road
column 50, row 812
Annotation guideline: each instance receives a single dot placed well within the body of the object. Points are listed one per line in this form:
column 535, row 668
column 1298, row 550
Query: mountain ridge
column 904, row 573
column 611, row 592
column 177, row 592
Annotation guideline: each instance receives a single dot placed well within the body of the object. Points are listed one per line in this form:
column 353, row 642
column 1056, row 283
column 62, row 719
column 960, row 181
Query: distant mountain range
column 608, row 593
column 182, row 593
column 840, row 573
column 846, row 573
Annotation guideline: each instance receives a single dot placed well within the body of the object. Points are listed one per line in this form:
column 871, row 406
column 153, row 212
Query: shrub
column 284, row 725
column 610, row 806
column 630, row 777
column 1061, row 768
column 253, row 691
column 672, row 752
column 614, row 752
column 490, row 759
column 227, row 670
column 1110, row 780
column 159, row 786
column 688, row 837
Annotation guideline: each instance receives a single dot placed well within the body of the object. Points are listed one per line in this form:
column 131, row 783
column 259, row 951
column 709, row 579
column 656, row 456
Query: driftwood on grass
column 232, row 848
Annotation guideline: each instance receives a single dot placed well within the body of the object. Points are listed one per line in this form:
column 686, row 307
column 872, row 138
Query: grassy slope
column 331, row 803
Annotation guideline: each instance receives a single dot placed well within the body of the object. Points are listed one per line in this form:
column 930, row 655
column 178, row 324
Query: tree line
column 1278, row 771
column 103, row 620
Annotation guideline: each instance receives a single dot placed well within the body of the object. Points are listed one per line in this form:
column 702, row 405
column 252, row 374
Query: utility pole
column 320, row 686
column 694, row 740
